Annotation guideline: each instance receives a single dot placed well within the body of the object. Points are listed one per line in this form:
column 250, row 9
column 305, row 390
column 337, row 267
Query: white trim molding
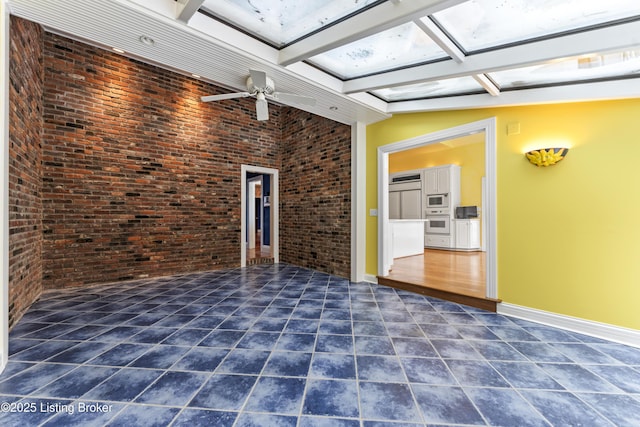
column 358, row 200
column 370, row 278
column 275, row 211
column 574, row 324
column 488, row 126
column 4, row 184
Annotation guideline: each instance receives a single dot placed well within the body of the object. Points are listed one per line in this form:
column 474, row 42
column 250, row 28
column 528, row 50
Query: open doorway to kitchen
column 451, row 256
column 467, row 276
column 260, row 216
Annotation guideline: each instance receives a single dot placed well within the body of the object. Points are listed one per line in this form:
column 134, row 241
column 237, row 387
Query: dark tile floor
column 285, row 346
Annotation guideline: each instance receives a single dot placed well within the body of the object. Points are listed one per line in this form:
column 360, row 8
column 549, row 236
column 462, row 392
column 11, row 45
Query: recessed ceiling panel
column 282, row 21
column 484, row 24
column 397, row 47
column 579, row 69
column 448, row 87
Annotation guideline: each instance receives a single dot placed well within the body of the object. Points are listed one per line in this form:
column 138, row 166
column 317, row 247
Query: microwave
column 465, row 212
column 438, row 200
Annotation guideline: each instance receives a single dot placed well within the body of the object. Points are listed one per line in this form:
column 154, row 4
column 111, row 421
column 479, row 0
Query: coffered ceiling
column 366, row 59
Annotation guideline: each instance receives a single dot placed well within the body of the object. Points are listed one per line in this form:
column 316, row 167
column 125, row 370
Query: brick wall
column 140, row 177
column 25, row 171
column 118, row 172
column 315, row 226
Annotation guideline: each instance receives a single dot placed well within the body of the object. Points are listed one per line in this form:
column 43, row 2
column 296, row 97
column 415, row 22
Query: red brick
column 131, row 176
column 25, row 170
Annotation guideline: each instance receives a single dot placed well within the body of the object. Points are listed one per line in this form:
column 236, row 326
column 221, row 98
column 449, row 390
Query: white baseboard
column 370, row 278
column 587, row 327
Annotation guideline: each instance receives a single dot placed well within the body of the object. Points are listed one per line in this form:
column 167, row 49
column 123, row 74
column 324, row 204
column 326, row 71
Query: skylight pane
column 448, row 87
column 282, row 21
column 580, row 69
column 397, row 47
column 483, row 24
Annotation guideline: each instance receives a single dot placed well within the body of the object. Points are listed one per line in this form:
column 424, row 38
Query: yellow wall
column 469, row 157
column 568, row 235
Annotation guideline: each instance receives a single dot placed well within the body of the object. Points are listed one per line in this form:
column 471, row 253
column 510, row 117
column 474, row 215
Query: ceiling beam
column 187, row 8
column 379, row 18
column 487, row 84
column 607, row 39
column 616, row 89
column 440, row 38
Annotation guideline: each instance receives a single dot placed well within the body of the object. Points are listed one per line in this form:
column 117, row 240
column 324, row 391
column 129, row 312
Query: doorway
column 260, row 216
column 488, row 128
column 254, row 215
column 452, row 259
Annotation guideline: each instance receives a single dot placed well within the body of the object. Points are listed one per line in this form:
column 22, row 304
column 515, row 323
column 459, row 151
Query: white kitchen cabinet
column 467, row 234
column 437, row 180
column 444, row 241
column 442, row 179
column 430, row 181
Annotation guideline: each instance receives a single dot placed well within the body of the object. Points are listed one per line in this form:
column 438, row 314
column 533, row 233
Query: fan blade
column 224, row 96
column 262, row 108
column 294, row 99
column 259, row 78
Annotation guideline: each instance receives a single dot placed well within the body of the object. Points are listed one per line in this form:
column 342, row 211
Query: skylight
column 407, row 50
column 282, row 21
column 448, row 87
column 579, row 69
column 398, row 47
column 482, row 24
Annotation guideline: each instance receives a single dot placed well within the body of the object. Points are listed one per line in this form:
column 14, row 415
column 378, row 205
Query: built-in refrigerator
column 405, row 201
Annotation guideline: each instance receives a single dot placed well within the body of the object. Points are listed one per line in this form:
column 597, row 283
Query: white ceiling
column 191, row 42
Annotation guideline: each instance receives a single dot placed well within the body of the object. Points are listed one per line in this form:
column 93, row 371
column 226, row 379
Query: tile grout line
column 562, row 343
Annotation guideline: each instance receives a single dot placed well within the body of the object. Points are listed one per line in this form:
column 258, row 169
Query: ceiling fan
column 263, row 88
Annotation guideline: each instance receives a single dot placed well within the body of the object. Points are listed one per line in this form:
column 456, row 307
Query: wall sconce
column 546, row 156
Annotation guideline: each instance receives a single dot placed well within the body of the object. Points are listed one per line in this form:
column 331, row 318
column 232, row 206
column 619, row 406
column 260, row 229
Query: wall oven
column 438, row 200
column 438, row 224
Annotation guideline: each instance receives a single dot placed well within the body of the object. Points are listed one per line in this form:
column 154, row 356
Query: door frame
column 488, row 126
column 251, row 211
column 275, row 211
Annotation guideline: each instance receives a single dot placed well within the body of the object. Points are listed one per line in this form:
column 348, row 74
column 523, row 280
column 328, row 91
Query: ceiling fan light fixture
column 263, row 88
column 262, row 107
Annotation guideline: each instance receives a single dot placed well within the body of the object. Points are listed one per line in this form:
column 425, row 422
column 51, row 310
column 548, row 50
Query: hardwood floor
column 462, row 272
column 451, row 275
column 259, row 254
